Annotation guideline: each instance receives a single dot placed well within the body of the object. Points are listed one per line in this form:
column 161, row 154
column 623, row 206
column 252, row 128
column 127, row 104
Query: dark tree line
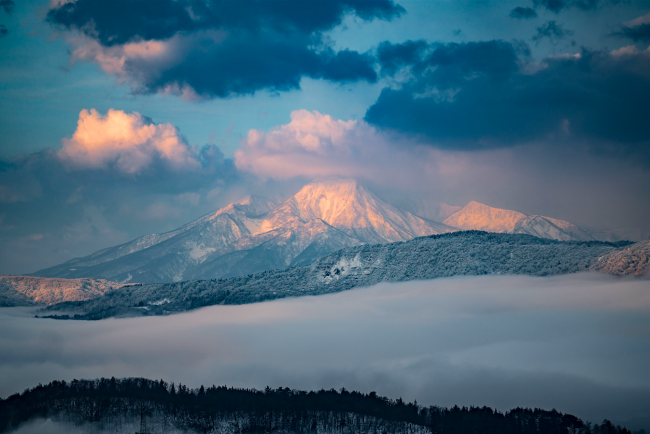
column 109, row 402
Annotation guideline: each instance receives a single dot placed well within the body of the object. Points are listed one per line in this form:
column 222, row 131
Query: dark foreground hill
column 469, row 253
column 110, row 405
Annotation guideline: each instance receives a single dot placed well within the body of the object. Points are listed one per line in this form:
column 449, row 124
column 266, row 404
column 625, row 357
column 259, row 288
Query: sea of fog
column 578, row 343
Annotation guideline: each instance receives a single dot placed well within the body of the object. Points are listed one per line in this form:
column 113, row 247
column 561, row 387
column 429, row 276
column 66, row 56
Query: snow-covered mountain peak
column 479, row 216
column 328, row 199
column 346, row 205
column 255, row 234
column 255, row 206
column 250, row 207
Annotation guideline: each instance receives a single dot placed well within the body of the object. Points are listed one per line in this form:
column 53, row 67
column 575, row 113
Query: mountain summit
column 347, row 206
column 485, row 218
column 254, row 235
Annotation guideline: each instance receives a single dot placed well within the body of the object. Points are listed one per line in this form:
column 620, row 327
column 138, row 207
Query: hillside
column 121, row 405
column 27, row 290
column 256, row 235
column 455, row 254
column 632, row 260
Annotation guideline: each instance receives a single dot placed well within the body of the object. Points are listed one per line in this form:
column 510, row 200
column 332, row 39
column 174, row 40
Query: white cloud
column 644, row 19
column 314, row 144
column 129, row 142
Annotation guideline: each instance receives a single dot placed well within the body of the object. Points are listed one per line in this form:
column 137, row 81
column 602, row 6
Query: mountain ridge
column 478, row 216
column 468, row 253
column 31, row 291
column 255, row 235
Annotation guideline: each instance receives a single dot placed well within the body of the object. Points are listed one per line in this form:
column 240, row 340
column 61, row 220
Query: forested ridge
column 119, row 405
column 468, row 253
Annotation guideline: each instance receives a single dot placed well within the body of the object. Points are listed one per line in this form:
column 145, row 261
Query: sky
column 577, row 343
column 123, row 118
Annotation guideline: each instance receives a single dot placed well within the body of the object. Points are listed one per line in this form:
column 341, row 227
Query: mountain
column 459, row 253
column 255, row 235
column 430, row 210
column 632, row 260
column 131, row 404
column 477, row 216
column 546, row 227
column 28, row 291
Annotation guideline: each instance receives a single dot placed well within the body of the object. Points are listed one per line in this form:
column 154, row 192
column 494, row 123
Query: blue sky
column 39, row 81
column 533, row 108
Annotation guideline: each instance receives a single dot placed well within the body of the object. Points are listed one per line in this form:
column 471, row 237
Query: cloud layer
column 400, row 165
column 128, row 142
column 213, row 48
column 638, row 29
column 312, row 145
column 487, row 94
column 576, row 343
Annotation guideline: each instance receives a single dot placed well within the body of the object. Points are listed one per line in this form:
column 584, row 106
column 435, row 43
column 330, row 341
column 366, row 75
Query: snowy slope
column 253, row 235
column 631, row 260
column 428, row 209
column 546, row 227
column 477, row 216
column 28, row 290
column 480, row 217
column 451, row 254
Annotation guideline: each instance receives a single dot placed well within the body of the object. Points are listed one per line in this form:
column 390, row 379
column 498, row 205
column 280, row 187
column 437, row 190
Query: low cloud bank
column 577, row 343
column 315, row 144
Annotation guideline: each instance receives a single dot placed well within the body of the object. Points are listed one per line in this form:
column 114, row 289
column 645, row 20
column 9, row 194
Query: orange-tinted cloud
column 127, row 142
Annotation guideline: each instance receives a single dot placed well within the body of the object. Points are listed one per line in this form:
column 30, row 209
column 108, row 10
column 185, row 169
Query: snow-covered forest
column 466, row 253
column 130, row 404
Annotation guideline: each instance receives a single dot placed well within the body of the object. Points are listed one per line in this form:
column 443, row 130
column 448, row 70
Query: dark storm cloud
column 639, row 33
column 3, row 30
column 551, row 30
column 7, row 5
column 121, row 21
column 252, row 62
column 393, row 57
column 452, row 64
column 523, row 13
column 221, row 48
column 489, row 94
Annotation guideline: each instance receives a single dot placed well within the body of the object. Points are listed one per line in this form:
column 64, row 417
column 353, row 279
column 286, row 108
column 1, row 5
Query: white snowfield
column 28, row 290
column 326, row 215
column 630, row 260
